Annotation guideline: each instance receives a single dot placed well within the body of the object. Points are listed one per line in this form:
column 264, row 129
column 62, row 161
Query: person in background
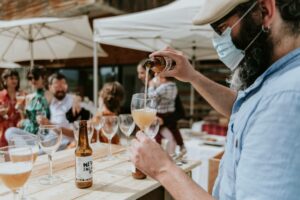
column 37, row 104
column 111, row 98
column 165, row 91
column 259, row 40
column 9, row 115
column 60, row 104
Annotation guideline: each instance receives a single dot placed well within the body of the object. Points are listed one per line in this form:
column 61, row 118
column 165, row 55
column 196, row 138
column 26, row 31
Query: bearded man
column 59, row 106
column 259, row 41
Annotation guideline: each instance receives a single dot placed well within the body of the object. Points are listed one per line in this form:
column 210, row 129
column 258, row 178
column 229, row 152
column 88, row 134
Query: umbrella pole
column 95, row 73
column 31, row 46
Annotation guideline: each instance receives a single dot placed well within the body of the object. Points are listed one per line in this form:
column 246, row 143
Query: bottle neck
column 83, row 140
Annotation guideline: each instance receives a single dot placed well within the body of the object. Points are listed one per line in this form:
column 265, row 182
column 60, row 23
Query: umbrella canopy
column 46, row 39
column 152, row 30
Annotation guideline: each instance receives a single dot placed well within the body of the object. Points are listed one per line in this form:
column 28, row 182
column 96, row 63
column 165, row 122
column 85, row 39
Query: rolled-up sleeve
column 269, row 164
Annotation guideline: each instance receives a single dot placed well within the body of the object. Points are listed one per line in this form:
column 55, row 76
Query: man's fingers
column 141, row 136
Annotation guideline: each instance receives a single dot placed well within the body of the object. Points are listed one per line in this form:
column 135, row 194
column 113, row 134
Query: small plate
column 215, row 140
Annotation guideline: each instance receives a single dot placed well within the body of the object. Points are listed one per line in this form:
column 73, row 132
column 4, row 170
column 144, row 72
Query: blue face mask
column 227, row 52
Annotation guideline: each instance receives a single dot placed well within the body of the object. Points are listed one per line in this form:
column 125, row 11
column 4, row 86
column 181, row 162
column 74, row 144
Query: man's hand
column 183, row 70
column 41, row 120
column 149, row 157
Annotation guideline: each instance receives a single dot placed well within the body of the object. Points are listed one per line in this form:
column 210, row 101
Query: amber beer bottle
column 83, row 158
column 159, row 63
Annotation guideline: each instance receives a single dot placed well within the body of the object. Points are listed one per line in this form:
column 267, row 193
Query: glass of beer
column 127, row 126
column 15, row 167
column 143, row 110
column 109, row 129
column 20, row 101
column 49, row 137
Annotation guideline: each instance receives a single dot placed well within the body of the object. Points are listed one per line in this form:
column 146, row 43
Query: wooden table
column 112, row 179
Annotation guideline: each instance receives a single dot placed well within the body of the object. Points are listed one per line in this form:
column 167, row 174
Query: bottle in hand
column 159, row 63
column 83, row 158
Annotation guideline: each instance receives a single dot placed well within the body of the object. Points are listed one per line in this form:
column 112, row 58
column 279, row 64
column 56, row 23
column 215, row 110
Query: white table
column 197, row 151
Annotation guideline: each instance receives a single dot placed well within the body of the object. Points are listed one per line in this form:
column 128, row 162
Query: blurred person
column 165, row 91
column 111, row 98
column 141, row 71
column 259, row 41
column 9, row 115
column 60, row 104
column 37, row 104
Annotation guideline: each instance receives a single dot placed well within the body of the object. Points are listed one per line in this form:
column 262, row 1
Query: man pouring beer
column 259, row 41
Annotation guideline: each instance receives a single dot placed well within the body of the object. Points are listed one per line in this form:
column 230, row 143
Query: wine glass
column 152, row 130
column 90, row 129
column 49, row 137
column 28, row 141
column 126, row 125
column 15, row 167
column 143, row 110
column 109, row 129
column 97, row 123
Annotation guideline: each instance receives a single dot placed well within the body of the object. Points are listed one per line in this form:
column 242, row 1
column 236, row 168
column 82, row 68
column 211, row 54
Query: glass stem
column 127, row 145
column 110, row 154
column 16, row 194
column 50, row 165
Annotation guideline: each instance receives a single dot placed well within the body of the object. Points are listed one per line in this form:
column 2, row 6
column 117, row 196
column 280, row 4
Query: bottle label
column 84, row 168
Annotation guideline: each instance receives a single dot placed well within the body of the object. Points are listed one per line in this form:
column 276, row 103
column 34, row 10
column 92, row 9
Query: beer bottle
column 159, row 63
column 83, row 158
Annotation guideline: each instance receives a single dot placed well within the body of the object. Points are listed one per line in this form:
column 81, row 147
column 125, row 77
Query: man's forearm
column 181, row 186
column 218, row 96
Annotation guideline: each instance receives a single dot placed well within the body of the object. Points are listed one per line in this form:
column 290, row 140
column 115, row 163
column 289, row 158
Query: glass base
column 47, row 180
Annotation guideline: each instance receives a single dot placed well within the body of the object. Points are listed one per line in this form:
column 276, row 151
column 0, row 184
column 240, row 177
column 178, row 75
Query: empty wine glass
column 15, row 167
column 98, row 123
column 90, row 129
column 49, row 137
column 127, row 126
column 152, row 130
column 109, row 129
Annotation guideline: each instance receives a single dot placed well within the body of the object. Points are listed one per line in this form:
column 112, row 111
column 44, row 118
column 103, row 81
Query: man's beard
column 257, row 57
column 60, row 95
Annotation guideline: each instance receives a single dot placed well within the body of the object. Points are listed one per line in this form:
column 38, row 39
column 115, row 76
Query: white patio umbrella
column 9, row 65
column 46, row 39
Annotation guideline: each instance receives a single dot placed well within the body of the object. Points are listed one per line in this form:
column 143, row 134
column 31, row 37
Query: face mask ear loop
column 258, row 34
column 246, row 13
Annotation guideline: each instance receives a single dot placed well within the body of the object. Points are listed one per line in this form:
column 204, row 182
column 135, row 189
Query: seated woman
column 9, row 115
column 37, row 104
column 111, row 97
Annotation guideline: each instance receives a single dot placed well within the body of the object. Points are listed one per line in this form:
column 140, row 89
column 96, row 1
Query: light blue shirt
column 262, row 156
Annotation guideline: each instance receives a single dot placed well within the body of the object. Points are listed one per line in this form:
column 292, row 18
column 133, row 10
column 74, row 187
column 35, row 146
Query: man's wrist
column 166, row 171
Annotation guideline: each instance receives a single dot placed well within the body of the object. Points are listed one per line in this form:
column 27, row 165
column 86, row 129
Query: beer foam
column 10, row 168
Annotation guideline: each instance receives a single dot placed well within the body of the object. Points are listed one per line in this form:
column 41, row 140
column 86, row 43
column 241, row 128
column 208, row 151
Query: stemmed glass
column 126, row 125
column 152, row 130
column 109, row 129
column 15, row 167
column 143, row 110
column 90, row 129
column 49, row 137
column 98, row 123
column 28, row 141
